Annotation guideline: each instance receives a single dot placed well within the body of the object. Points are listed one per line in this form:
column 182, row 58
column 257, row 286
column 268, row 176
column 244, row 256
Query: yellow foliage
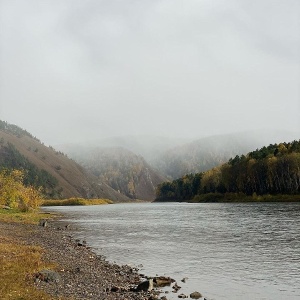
column 14, row 194
column 282, row 148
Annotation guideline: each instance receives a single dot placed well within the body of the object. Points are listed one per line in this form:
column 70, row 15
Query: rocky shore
column 78, row 273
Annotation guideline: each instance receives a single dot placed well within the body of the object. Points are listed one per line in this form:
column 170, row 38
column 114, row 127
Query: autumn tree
column 15, row 194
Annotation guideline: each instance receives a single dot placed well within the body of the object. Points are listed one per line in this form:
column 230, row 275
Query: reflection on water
column 227, row 251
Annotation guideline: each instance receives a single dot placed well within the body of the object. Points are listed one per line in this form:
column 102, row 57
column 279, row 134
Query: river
column 227, row 251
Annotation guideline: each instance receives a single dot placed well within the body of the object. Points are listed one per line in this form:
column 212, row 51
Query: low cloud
column 78, row 70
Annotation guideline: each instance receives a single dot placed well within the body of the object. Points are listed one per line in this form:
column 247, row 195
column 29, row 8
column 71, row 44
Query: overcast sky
column 75, row 70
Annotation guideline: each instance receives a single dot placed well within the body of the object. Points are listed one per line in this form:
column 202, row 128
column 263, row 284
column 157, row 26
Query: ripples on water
column 228, row 251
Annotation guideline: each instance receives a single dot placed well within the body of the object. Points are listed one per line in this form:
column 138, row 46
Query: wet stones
column 176, row 287
column 81, row 243
column 82, row 273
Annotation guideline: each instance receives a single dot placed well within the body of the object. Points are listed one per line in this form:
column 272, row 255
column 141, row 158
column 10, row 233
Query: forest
column 272, row 170
column 12, row 159
column 15, row 130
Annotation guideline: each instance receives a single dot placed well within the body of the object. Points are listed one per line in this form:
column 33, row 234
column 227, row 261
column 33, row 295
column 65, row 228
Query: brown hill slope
column 72, row 179
column 123, row 170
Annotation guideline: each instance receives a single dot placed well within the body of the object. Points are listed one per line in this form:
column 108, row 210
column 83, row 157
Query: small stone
column 195, row 295
column 182, row 296
column 145, row 286
column 114, row 289
column 43, row 223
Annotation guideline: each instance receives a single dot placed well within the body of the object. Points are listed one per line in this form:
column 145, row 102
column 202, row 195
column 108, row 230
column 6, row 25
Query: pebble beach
column 78, row 273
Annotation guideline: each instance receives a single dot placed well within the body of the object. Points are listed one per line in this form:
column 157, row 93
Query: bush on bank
column 14, row 194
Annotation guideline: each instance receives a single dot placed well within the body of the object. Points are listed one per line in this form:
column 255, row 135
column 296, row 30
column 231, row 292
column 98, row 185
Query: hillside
column 121, row 169
column 273, row 170
column 59, row 176
column 149, row 147
column 206, row 153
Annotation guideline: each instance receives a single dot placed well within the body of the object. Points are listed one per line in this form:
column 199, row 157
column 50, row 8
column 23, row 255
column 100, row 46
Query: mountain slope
column 121, row 169
column 271, row 170
column 209, row 152
column 149, row 147
column 19, row 149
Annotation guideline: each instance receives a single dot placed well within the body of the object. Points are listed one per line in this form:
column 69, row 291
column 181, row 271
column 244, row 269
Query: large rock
column 145, row 286
column 162, row 281
column 195, row 295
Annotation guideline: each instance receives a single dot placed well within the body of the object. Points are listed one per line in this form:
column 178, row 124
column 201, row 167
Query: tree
column 15, row 194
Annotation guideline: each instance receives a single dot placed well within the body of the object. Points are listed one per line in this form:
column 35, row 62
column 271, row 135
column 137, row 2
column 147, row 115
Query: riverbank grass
column 17, row 264
column 76, row 201
column 19, row 261
column 16, row 216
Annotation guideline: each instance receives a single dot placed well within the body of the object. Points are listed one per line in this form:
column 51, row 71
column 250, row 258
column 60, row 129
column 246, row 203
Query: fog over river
column 227, row 251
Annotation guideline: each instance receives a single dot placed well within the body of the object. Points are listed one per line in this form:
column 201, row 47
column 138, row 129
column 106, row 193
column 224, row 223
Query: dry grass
column 18, row 263
column 13, row 215
column 76, row 201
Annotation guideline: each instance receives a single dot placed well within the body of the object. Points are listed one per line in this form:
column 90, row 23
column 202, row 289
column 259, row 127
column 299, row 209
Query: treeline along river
column 227, row 251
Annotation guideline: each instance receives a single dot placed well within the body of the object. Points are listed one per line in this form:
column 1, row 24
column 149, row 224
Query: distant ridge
column 121, row 169
column 206, row 153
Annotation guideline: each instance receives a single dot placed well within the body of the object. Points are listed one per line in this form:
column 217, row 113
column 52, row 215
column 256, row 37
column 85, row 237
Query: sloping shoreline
column 79, row 273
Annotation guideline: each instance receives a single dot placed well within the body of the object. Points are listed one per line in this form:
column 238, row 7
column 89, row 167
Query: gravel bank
column 80, row 273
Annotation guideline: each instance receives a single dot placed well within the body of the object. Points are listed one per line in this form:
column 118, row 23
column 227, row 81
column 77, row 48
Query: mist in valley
column 145, row 91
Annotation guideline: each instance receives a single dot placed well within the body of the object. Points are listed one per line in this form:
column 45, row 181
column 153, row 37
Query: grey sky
column 75, row 70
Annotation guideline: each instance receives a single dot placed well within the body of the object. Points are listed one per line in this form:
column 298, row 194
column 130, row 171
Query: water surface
column 227, row 251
